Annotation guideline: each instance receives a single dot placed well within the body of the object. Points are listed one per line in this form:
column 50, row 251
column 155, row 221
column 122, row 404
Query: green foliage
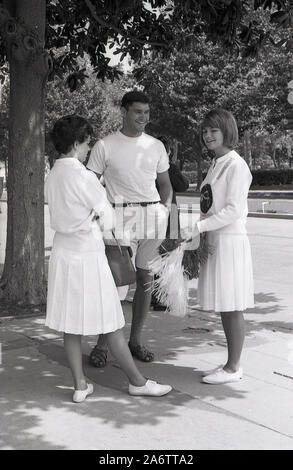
column 243, row 26
column 78, row 29
column 95, row 100
column 185, row 86
column 98, row 102
column 191, row 176
column 288, row 121
column 259, row 177
column 272, row 177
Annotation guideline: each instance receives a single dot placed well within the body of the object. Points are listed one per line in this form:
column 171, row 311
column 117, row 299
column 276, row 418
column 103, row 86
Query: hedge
column 259, row 177
column 272, row 177
column 191, row 176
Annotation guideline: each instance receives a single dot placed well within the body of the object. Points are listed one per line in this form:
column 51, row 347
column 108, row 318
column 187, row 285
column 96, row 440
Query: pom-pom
column 173, row 268
column 170, row 285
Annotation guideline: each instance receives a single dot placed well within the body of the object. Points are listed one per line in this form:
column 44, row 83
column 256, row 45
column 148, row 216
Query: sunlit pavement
column 256, row 413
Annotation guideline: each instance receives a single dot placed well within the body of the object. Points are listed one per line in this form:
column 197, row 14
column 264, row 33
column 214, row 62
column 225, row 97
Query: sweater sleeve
column 93, row 196
column 238, row 180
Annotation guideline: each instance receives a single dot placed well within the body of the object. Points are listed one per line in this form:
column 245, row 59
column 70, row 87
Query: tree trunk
column 181, row 162
column 274, row 148
column 289, row 153
column 198, row 155
column 23, row 279
column 199, row 169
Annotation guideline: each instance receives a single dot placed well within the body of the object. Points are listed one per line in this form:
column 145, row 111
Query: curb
column 253, row 194
column 270, row 216
column 266, row 215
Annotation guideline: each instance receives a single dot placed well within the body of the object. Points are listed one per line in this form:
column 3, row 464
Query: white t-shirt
column 129, row 166
column 74, row 194
column 229, row 178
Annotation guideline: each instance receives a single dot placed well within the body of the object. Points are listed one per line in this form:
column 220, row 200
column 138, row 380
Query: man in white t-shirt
column 131, row 161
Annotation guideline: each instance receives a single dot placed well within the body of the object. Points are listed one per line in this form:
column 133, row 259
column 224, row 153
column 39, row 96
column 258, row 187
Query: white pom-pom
column 170, row 285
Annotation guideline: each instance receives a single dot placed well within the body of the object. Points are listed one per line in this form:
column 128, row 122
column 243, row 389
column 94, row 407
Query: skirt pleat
column 226, row 279
column 82, row 296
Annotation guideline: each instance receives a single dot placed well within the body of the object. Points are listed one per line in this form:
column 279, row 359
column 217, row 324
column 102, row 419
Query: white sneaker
column 150, row 388
column 223, row 377
column 204, row 373
column 80, row 395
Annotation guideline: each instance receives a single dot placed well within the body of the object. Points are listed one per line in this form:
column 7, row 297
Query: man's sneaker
column 80, row 395
column 150, row 388
column 223, row 377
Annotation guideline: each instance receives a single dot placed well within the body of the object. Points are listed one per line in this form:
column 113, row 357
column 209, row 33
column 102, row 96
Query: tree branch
column 119, row 30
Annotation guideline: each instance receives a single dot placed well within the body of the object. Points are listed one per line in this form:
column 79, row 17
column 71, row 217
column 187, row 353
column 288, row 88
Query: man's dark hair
column 70, row 129
column 134, row 96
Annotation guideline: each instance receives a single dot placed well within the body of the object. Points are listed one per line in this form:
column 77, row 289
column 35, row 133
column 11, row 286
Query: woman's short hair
column 70, row 129
column 134, row 96
column 225, row 121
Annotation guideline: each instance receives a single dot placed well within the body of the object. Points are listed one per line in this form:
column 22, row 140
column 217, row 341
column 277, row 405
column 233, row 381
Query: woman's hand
column 193, row 241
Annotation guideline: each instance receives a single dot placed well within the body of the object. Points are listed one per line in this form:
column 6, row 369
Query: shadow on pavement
column 50, row 400
column 36, row 384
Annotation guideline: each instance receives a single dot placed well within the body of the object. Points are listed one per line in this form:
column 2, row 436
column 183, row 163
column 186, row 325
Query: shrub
column 259, row 177
column 191, row 176
column 272, row 177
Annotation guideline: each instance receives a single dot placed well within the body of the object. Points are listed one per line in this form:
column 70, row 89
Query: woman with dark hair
column 82, row 296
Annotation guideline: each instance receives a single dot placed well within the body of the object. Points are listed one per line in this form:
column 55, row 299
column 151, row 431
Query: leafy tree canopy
column 79, row 28
column 188, row 84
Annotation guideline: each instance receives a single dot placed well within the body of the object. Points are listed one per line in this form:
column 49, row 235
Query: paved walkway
column 36, row 387
column 37, row 412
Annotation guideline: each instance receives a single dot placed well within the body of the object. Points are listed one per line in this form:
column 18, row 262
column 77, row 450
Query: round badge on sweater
column 206, row 198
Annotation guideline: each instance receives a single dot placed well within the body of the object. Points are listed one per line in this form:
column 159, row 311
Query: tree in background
column 40, row 38
column 99, row 101
column 186, row 85
column 4, row 122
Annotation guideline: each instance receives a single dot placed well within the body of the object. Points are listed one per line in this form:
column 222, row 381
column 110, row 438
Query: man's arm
column 165, row 188
column 96, row 162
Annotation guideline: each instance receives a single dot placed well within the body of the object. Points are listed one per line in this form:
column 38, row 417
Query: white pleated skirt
column 82, row 297
column 226, row 280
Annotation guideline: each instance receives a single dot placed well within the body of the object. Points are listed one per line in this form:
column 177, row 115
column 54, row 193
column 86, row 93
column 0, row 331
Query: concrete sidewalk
column 256, row 413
